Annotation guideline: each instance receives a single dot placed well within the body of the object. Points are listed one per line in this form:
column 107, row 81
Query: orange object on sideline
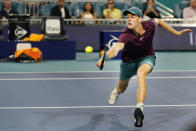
column 34, row 37
column 26, row 39
column 34, row 53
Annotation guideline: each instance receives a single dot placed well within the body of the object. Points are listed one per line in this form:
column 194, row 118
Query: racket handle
column 102, row 62
column 103, row 59
column 101, row 67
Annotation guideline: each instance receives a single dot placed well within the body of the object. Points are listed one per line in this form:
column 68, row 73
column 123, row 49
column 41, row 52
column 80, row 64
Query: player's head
column 193, row 3
column 134, row 17
column 61, row 3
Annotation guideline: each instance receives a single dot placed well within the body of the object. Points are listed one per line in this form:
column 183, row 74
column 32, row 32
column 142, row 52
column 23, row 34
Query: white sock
column 140, row 105
column 116, row 90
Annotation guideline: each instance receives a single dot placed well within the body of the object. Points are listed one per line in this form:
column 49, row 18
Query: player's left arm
column 112, row 52
column 167, row 27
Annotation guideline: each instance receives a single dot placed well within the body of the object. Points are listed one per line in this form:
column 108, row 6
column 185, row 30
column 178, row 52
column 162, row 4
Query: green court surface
column 87, row 62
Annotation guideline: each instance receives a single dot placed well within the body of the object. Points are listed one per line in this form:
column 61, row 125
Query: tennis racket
column 104, row 54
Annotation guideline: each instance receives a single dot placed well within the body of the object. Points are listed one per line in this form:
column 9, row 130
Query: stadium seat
column 99, row 7
column 45, row 10
column 140, row 5
column 53, row 28
column 20, row 8
column 78, row 8
column 178, row 8
column 70, row 9
column 122, row 6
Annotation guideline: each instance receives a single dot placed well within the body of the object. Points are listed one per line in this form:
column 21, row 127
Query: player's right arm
column 112, row 52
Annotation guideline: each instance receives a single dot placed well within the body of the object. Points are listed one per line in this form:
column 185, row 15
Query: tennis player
column 138, row 57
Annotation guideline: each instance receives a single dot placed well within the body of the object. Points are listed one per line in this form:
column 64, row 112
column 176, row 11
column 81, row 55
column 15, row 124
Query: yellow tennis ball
column 89, row 49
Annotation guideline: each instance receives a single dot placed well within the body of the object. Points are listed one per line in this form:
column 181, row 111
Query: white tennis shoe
column 113, row 97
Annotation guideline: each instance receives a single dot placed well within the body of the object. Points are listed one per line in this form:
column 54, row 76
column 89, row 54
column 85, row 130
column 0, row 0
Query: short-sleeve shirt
column 115, row 13
column 138, row 46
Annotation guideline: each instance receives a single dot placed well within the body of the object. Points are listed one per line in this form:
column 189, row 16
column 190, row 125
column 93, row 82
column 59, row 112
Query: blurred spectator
column 150, row 10
column 190, row 12
column 7, row 10
column 88, row 11
column 111, row 12
column 32, row 7
column 60, row 10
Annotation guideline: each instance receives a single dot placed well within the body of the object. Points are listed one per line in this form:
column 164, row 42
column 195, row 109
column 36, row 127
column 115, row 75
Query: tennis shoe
column 138, row 117
column 113, row 97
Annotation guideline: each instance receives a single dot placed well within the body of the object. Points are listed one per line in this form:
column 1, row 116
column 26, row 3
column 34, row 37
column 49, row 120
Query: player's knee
column 141, row 74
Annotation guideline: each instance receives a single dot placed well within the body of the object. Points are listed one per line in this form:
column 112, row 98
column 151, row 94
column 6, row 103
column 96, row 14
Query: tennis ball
column 89, row 49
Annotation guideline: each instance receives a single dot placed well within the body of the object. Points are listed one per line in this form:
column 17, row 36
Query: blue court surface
column 77, row 101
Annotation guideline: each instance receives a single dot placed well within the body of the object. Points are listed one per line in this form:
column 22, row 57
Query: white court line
column 60, row 72
column 96, row 78
column 94, row 107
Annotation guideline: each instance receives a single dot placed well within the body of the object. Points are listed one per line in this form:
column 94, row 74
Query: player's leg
column 145, row 67
column 127, row 70
column 122, row 85
column 120, row 88
column 141, row 93
column 142, row 72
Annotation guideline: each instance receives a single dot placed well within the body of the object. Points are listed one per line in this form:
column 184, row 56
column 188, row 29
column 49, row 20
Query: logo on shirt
column 113, row 41
column 141, row 38
column 20, row 32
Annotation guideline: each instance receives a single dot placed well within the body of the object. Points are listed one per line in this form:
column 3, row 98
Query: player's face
column 133, row 21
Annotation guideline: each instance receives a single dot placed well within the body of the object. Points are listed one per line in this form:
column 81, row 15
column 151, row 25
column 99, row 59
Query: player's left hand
column 184, row 31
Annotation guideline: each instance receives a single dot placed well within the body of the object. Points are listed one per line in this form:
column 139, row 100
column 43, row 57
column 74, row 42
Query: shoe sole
column 139, row 117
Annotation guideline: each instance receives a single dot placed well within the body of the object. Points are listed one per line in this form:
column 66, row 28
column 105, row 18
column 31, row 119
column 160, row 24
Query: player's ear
column 140, row 19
